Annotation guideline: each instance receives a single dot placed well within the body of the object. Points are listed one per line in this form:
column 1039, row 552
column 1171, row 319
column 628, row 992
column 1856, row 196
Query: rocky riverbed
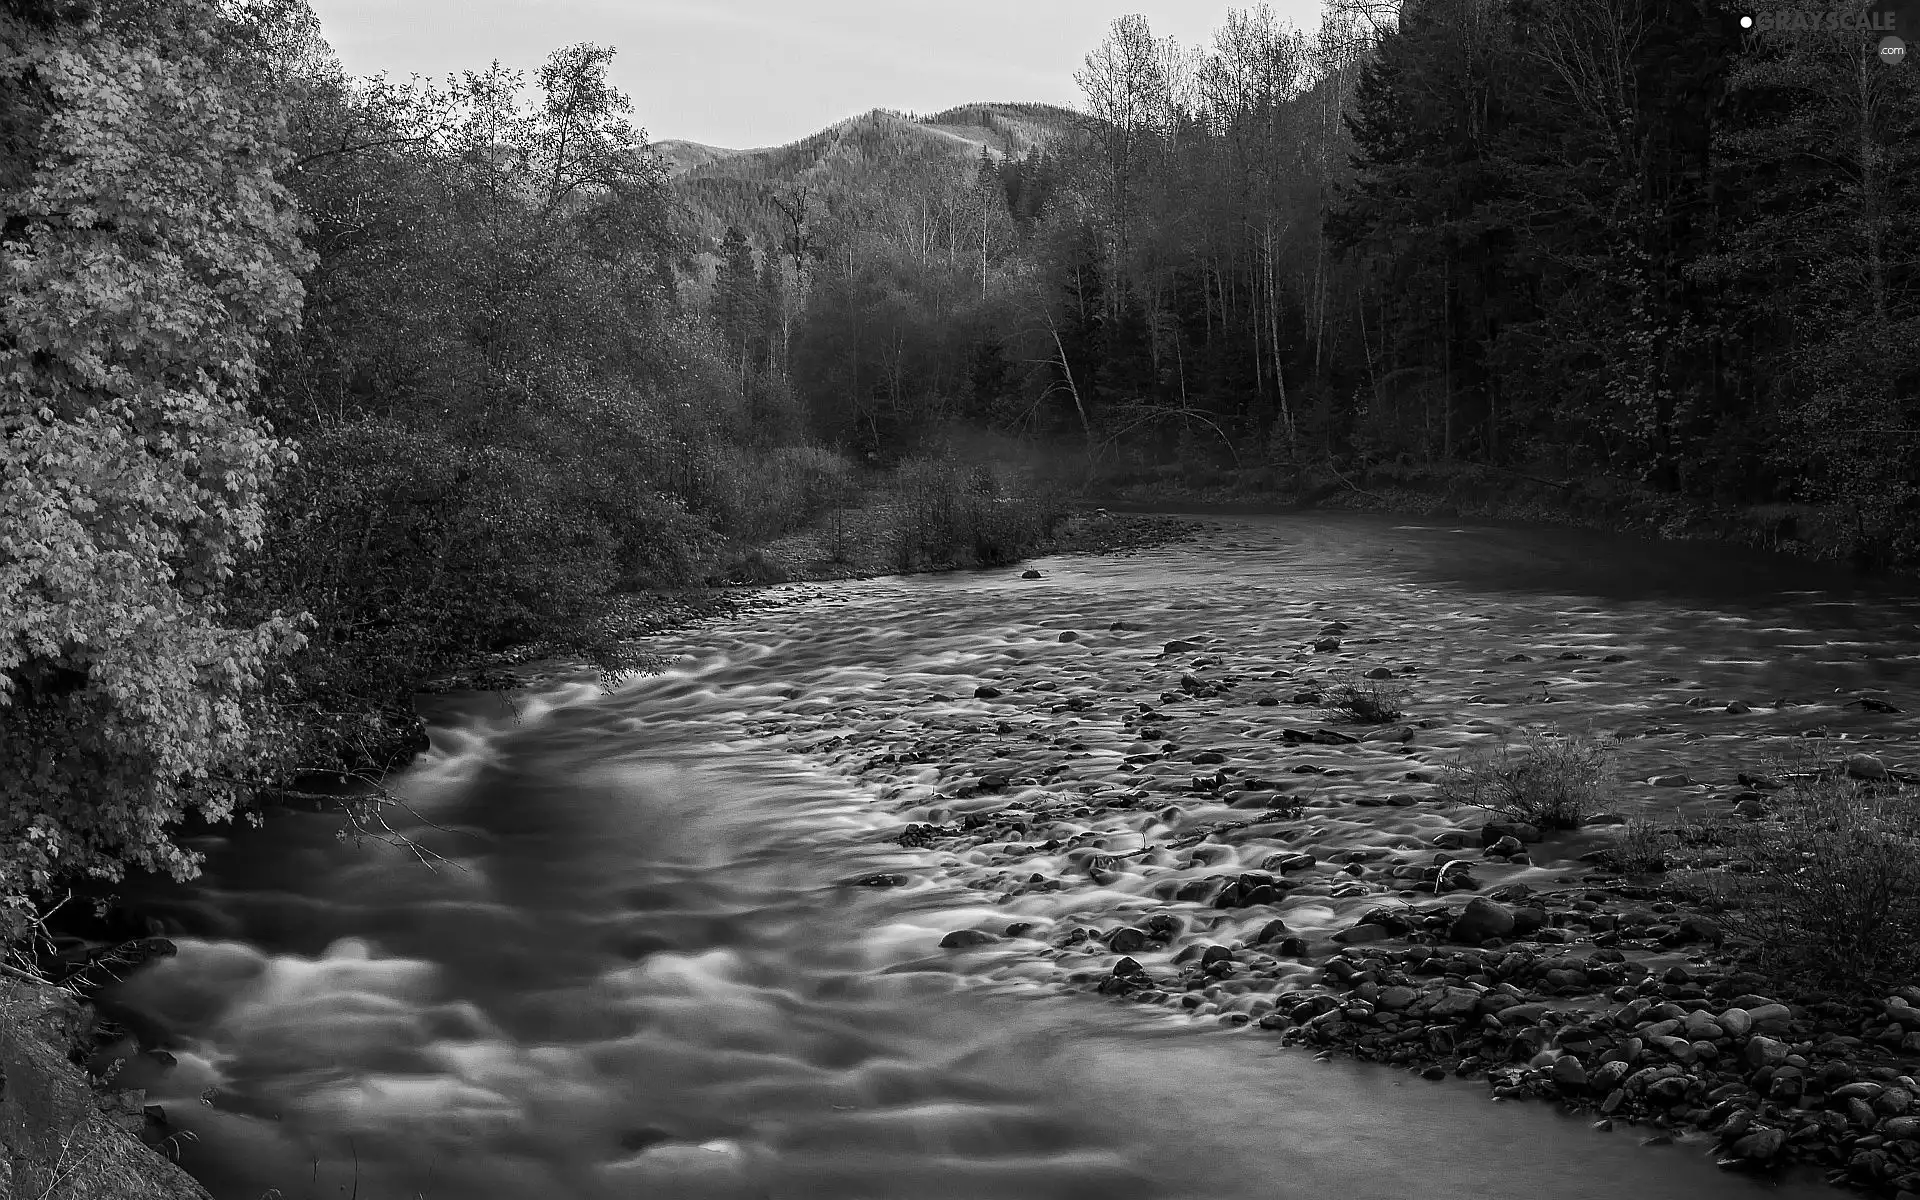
column 1175, row 818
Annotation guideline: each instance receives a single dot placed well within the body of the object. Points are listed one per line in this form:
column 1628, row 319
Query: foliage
column 1642, row 848
column 148, row 253
column 1552, row 780
column 1830, row 890
column 949, row 514
column 1368, row 701
column 1568, row 238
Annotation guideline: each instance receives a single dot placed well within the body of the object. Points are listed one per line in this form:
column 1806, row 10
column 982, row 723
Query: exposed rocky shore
column 1196, row 834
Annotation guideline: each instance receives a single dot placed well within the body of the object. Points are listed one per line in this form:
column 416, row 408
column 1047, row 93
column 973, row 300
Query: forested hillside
column 1582, row 238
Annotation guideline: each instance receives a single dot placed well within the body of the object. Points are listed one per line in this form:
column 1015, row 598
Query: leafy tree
column 148, row 253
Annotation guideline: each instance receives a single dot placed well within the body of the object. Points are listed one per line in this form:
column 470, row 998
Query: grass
column 1551, row 780
column 1368, row 701
column 1827, row 891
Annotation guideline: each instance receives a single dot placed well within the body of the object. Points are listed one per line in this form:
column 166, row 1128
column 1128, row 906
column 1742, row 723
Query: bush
column 1368, row 701
column 1553, row 781
column 946, row 514
column 1642, row 848
column 755, row 494
column 928, row 507
column 1829, row 890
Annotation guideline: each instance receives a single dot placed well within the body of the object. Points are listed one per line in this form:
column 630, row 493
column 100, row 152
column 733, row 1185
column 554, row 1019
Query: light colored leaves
column 148, row 254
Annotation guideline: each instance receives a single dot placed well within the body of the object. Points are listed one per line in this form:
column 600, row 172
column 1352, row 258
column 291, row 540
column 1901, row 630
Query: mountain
column 685, row 156
column 862, row 162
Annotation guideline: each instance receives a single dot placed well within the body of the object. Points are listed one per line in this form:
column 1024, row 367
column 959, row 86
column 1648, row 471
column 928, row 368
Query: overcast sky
column 745, row 73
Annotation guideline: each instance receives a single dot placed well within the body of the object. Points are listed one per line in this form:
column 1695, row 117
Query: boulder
column 1127, row 940
column 1480, row 920
column 962, row 939
column 1765, row 1052
column 1761, row 1145
column 1396, row 998
column 1493, row 831
column 1569, row 1075
column 1361, row 934
column 1454, row 1004
column 1866, row 766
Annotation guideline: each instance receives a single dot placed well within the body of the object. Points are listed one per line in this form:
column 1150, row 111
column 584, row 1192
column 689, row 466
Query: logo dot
column 1746, row 22
column 1892, row 50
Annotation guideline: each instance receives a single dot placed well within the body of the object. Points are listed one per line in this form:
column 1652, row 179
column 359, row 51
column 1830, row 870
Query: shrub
column 1553, row 780
column 756, row 494
column 1829, row 890
column 1642, row 848
column 945, row 514
column 1368, row 701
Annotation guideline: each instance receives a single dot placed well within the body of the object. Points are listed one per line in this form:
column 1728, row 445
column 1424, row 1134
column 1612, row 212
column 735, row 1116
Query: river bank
column 841, row 547
column 62, row 1136
column 1469, row 491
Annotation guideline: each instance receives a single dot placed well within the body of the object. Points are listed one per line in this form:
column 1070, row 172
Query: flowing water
column 623, row 956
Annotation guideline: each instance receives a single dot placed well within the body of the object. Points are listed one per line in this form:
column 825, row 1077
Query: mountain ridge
column 873, row 154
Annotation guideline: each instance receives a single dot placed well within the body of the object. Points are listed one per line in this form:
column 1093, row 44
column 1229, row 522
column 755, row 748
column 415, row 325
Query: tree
column 737, row 306
column 148, row 253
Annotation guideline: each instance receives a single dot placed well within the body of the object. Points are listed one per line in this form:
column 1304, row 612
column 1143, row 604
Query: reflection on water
column 625, row 957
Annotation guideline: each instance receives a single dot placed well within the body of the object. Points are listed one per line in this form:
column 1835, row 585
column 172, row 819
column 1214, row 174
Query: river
column 622, row 953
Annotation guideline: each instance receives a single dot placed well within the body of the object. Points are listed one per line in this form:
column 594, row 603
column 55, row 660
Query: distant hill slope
column 872, row 157
column 685, row 156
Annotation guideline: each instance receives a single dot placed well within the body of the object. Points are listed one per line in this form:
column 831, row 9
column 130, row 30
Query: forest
column 317, row 385
column 1602, row 239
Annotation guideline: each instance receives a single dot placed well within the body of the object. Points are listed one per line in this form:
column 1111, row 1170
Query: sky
column 748, row 73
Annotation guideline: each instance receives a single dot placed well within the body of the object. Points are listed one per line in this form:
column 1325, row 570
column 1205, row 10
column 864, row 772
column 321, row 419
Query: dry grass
column 1551, row 780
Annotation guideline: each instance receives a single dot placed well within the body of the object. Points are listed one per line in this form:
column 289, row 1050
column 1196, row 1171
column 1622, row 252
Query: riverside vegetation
column 320, row 388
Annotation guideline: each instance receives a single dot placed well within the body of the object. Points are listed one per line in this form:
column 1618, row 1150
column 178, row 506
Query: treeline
column 316, row 386
column 1614, row 239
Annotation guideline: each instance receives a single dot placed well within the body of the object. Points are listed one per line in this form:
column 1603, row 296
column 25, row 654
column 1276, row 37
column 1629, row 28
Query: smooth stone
column 1765, row 1052
column 1760, row 1145
column 961, row 939
column 1480, row 920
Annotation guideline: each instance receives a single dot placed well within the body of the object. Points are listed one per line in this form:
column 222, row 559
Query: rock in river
column 1866, row 766
column 962, row 939
column 1480, row 920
